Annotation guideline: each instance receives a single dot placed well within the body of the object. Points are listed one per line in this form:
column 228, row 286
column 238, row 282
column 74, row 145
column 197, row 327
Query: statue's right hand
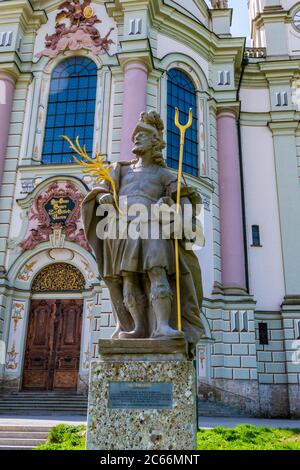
column 105, row 199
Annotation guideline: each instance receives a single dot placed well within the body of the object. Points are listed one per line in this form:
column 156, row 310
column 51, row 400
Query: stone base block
column 136, row 424
column 274, row 401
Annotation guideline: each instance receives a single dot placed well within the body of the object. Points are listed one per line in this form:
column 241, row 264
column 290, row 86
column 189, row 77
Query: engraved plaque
column 140, row 395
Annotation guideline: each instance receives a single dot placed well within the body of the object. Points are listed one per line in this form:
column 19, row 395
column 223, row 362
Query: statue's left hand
column 105, row 199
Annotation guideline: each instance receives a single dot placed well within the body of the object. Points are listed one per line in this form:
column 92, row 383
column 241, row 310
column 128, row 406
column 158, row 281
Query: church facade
column 87, row 69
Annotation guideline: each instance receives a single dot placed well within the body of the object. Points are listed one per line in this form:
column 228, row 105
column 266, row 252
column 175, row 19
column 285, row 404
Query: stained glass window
column 182, row 94
column 71, row 108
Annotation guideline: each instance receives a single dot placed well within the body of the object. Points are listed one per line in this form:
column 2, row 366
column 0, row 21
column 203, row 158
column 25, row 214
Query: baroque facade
column 89, row 68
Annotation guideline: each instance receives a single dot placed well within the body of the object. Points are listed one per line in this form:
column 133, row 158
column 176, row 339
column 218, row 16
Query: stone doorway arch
column 53, row 341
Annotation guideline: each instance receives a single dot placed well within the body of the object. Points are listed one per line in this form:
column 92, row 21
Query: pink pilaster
column 232, row 240
column 7, row 88
column 134, row 102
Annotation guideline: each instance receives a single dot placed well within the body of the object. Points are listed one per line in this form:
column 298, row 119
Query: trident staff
column 183, row 129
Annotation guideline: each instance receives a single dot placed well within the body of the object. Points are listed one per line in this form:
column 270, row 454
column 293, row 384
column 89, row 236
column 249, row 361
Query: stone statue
column 140, row 273
column 219, row 4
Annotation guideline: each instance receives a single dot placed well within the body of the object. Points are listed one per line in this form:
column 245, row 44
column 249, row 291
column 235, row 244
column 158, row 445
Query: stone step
column 41, row 398
column 43, row 405
column 15, row 448
column 209, row 408
column 22, row 437
column 24, row 428
column 23, row 434
column 43, row 412
column 51, row 402
column 21, row 442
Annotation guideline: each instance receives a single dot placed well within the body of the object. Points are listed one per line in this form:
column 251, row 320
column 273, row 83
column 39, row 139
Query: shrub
column 65, row 437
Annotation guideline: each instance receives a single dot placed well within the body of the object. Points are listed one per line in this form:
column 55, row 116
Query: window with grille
column 263, row 333
column 182, row 94
column 71, row 109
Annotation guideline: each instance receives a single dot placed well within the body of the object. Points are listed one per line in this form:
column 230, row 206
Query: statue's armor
column 144, row 185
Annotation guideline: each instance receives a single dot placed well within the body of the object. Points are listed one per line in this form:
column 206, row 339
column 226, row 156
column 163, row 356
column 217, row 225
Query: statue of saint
column 140, row 272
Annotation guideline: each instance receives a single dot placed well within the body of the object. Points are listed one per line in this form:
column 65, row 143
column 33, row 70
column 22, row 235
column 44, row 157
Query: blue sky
column 240, row 20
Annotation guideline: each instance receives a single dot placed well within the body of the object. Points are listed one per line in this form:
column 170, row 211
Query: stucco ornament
column 140, row 270
column 55, row 210
column 75, row 29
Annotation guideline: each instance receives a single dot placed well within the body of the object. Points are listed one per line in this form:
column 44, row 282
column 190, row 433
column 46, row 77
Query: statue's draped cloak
column 190, row 278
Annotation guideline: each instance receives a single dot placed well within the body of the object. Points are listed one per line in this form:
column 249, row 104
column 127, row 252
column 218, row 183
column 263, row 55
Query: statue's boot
column 162, row 305
column 123, row 318
column 117, row 332
column 136, row 304
column 167, row 332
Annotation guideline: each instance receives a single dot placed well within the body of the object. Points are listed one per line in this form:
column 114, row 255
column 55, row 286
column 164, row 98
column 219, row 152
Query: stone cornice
column 262, row 74
column 116, row 8
column 254, row 119
column 270, row 16
column 190, row 31
column 283, row 127
column 195, row 34
column 11, row 69
column 11, row 61
column 130, row 56
column 22, row 12
column 253, row 77
column 27, row 201
column 280, row 67
column 230, row 107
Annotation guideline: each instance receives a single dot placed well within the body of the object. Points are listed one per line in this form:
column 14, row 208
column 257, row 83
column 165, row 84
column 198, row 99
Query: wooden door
column 66, row 348
column 39, row 344
column 53, row 345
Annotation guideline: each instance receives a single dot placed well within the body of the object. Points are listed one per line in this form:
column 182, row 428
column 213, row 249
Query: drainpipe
column 244, row 64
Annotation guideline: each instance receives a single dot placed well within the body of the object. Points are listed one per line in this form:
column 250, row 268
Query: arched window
column 71, row 108
column 182, row 94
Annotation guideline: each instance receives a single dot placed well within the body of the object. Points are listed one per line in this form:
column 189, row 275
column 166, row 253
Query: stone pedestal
column 142, row 396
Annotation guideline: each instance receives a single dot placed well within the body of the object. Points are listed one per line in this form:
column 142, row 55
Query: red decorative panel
column 56, row 207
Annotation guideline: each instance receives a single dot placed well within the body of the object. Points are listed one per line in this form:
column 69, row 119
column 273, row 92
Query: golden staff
column 183, row 129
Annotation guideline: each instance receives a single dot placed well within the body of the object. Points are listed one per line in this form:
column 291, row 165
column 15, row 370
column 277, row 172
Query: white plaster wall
column 287, row 4
column 205, row 254
column 255, row 100
column 293, row 40
column 265, row 263
column 166, row 45
column 191, row 6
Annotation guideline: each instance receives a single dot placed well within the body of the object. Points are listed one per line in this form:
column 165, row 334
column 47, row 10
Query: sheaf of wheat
column 94, row 166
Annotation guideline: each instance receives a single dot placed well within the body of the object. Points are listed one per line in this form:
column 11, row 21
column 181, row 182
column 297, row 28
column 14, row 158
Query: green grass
column 243, row 437
column 248, row 437
column 65, row 437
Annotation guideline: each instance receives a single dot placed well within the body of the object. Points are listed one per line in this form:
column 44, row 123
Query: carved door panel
column 39, row 344
column 53, row 345
column 66, row 350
